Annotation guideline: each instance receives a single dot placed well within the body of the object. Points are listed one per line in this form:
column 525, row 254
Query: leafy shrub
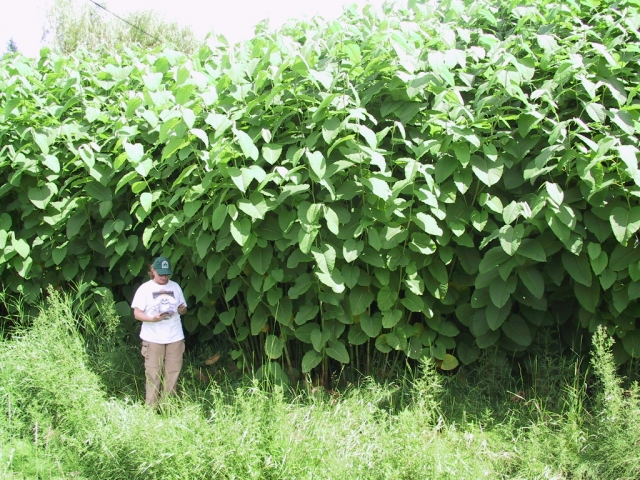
column 431, row 181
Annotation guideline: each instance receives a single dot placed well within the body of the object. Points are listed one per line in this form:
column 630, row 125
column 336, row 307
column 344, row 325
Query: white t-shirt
column 154, row 299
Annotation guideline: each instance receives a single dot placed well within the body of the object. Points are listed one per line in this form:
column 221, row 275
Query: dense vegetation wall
column 433, row 181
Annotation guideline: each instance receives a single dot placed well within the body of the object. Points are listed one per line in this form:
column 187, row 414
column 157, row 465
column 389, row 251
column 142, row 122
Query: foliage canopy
column 437, row 180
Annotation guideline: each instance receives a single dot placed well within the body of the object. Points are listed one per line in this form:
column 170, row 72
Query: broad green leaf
column 390, row 318
column 356, row 336
column 479, row 219
column 599, row 263
column 413, row 302
column 500, row 291
column 333, row 222
column 246, row 144
column 495, row 316
column 462, row 153
column 52, row 162
column 240, row 230
column 333, row 280
column 135, row 151
column 146, row 200
column 42, row 195
column 488, row 339
column 318, row 164
column 20, row 246
column 594, row 250
column 283, row 311
column 330, row 129
column 191, row 208
column 311, row 359
column 75, row 223
column 218, row 217
column 241, row 177
column 203, row 243
column 625, row 223
column 491, row 202
column 511, row 212
column 58, row 254
column 371, row 324
column 387, row 298
column 258, row 322
column 487, row 171
column 556, row 195
column 559, row 228
column 444, row 168
column 305, row 333
column 337, row 351
column 517, row 330
column 273, row 347
column 467, row 353
column 428, row 224
column 360, row 299
column 152, row 80
column 448, row 329
column 629, row 155
column 600, row 228
column 305, row 239
column 99, row 192
column 301, row 285
column 532, row 248
column 621, row 257
column 352, row 249
column 185, row 174
column 325, row 258
column 624, row 120
column 578, row 267
column 271, row 152
column 510, row 238
column 213, row 264
column 533, row 280
column 597, row 112
column 42, row 141
column 307, row 312
column 493, row 259
column 607, row 279
column 260, row 259
column 368, row 135
column 256, row 206
column 449, row 362
column 527, row 121
column 379, row 187
column 463, row 180
column 351, row 275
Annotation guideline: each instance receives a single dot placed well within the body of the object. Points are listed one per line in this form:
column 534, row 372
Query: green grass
column 72, row 407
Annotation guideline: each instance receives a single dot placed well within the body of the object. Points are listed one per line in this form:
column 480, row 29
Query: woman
column 158, row 304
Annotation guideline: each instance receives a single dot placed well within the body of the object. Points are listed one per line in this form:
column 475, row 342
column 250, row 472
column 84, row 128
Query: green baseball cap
column 162, row 266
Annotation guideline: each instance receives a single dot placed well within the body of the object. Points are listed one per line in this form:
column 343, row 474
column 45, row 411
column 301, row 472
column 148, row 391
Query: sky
column 23, row 20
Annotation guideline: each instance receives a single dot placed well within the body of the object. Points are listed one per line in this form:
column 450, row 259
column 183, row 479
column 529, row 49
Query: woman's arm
column 143, row 317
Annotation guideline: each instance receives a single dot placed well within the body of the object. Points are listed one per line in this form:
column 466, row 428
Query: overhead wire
column 124, row 20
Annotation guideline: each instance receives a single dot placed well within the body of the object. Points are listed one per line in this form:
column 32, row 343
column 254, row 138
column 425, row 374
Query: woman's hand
column 143, row 317
column 182, row 309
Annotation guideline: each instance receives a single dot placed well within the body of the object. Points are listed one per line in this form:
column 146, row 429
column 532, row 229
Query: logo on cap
column 165, row 264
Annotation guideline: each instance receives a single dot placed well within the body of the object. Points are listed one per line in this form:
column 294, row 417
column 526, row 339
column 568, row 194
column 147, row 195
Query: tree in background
column 71, row 25
column 12, row 47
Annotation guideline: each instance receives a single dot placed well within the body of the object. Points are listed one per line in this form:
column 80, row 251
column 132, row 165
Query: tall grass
column 72, row 408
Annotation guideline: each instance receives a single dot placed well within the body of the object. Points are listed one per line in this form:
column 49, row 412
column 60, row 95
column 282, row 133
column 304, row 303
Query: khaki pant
column 162, row 365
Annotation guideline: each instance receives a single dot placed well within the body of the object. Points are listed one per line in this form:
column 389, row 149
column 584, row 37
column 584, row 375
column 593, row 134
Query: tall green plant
column 427, row 182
